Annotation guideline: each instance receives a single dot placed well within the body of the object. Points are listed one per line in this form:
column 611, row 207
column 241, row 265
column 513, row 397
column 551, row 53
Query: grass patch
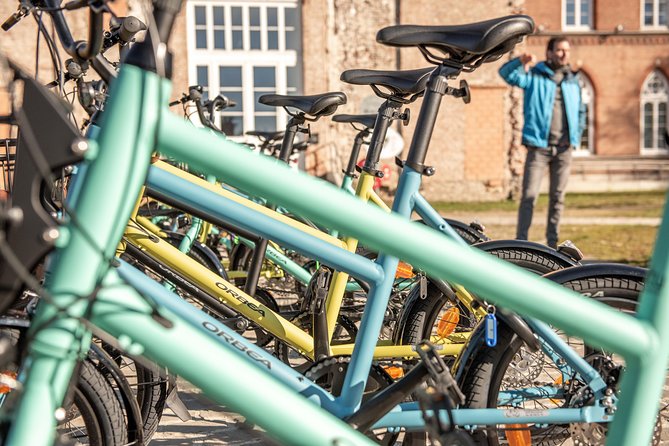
column 623, row 243
column 630, row 244
column 615, row 204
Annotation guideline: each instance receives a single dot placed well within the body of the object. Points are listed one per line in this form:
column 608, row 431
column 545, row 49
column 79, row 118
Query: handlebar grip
column 11, row 21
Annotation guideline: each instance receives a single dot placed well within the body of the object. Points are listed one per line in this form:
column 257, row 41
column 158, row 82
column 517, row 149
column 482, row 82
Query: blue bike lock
column 490, row 327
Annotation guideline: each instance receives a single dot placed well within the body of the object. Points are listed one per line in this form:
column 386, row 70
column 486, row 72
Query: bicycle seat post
column 436, row 88
column 387, row 112
column 292, row 128
column 353, row 159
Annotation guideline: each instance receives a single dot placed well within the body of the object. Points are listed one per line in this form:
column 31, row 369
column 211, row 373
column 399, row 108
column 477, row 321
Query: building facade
column 246, row 48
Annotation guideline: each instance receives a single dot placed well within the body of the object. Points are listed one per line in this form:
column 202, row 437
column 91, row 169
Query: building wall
column 340, row 35
column 471, row 146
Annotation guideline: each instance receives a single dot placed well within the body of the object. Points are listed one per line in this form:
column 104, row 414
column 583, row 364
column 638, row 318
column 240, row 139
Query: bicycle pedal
column 177, row 406
column 442, row 381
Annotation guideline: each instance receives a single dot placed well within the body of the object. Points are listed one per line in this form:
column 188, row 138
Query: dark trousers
column 558, row 161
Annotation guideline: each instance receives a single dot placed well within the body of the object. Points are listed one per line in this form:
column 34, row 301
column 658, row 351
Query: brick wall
column 470, row 147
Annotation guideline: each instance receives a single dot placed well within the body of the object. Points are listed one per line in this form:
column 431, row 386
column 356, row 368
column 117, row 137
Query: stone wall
column 340, row 35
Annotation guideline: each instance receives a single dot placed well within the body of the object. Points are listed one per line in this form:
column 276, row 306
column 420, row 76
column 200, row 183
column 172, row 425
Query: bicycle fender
column 596, row 270
column 529, row 246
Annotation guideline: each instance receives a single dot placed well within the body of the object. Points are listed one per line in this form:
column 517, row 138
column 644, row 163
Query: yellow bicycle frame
column 141, row 233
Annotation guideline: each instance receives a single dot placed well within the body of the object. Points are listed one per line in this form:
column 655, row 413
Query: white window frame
column 246, row 58
column 588, row 97
column 655, row 26
column 655, row 99
column 577, row 16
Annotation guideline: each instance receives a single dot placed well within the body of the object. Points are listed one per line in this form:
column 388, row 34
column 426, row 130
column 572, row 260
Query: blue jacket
column 538, row 102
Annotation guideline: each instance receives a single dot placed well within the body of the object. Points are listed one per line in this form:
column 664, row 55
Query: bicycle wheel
column 95, row 415
column 435, row 318
column 497, row 372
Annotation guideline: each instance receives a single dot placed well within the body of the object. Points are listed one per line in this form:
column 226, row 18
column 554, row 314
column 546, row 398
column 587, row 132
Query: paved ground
column 211, row 424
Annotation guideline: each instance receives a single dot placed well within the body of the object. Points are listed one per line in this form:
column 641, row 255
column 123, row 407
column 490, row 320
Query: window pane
column 232, row 125
column 292, row 40
column 203, row 80
column 265, row 123
column 236, row 12
column 648, row 126
column 585, row 12
column 585, row 137
column 201, row 39
column 662, row 19
column 272, row 17
column 570, row 13
column 264, row 77
column 235, row 96
column 291, row 17
column 661, row 123
column 294, row 77
column 202, row 76
column 219, row 16
column 219, row 40
column 230, row 76
column 200, row 15
column 237, row 40
column 254, row 16
column 648, row 12
column 272, row 40
column 255, row 40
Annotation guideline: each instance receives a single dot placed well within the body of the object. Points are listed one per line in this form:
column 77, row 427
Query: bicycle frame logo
column 241, row 298
column 235, row 343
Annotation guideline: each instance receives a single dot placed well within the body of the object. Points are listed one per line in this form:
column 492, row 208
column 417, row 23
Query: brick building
column 245, row 48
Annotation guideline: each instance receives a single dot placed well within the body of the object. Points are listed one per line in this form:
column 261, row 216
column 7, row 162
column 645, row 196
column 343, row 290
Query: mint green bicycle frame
column 135, row 123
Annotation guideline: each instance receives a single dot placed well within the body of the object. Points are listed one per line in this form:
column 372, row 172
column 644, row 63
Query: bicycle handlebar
column 80, row 51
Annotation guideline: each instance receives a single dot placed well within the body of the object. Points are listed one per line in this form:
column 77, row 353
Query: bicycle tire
column 94, row 401
column 149, row 386
column 531, row 260
column 494, row 367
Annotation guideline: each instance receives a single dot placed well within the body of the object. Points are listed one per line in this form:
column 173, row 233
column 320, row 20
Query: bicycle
column 644, row 336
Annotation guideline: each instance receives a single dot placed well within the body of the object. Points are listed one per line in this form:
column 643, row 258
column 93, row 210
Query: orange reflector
column 557, row 382
column 448, row 321
column 516, row 435
column 395, row 372
column 4, row 388
column 404, row 271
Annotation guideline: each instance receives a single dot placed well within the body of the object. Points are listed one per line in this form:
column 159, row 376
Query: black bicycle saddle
column 366, row 121
column 315, row 105
column 464, row 44
column 402, row 83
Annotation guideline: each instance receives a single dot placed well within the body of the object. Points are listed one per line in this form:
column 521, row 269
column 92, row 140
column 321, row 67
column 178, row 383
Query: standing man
column 554, row 120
